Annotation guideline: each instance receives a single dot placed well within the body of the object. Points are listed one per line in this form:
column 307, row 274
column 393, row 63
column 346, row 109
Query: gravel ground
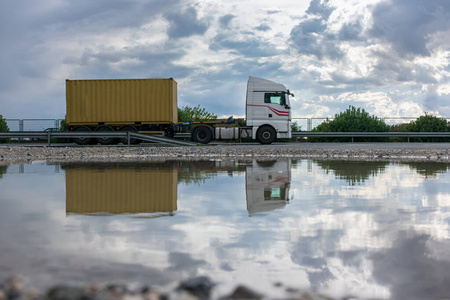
column 10, row 154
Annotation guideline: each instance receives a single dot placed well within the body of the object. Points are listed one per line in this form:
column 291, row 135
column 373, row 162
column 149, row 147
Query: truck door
column 278, row 109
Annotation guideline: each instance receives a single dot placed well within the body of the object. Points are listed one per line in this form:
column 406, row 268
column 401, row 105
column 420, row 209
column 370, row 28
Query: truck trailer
column 149, row 106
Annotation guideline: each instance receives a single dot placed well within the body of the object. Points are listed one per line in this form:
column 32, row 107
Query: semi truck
column 152, row 187
column 150, row 106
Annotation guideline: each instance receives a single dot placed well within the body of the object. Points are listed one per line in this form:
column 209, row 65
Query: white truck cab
column 268, row 115
column 268, row 110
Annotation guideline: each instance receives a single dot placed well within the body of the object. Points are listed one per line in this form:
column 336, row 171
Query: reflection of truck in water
column 121, row 188
column 152, row 187
column 267, row 185
column 150, row 106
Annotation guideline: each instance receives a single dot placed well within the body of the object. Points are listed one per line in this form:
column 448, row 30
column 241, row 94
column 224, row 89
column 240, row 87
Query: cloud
column 225, row 20
column 247, row 45
column 312, row 37
column 263, row 27
column 351, row 32
column 185, row 23
column 408, row 24
column 321, row 49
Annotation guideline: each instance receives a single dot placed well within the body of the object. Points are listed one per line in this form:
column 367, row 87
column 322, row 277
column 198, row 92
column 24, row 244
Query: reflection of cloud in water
column 184, row 263
column 409, row 269
column 330, row 236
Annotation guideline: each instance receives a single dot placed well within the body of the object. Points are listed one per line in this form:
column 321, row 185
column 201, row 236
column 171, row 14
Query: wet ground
column 281, row 227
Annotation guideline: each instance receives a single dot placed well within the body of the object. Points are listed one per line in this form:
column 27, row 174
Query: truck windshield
column 275, row 98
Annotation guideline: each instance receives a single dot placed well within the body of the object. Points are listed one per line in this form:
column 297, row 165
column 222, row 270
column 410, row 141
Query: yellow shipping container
column 121, row 101
column 122, row 190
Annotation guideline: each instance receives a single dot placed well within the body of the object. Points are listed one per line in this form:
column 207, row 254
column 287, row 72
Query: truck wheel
column 129, row 128
column 105, row 140
column 82, row 140
column 266, row 135
column 202, row 135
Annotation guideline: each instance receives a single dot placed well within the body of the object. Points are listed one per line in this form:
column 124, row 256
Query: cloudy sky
column 390, row 57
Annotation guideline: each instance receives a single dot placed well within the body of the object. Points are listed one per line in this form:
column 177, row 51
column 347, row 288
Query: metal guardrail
column 370, row 134
column 129, row 135
column 168, row 141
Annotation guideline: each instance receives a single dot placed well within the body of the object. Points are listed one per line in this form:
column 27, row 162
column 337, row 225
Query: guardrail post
column 49, row 137
column 129, row 138
column 20, row 128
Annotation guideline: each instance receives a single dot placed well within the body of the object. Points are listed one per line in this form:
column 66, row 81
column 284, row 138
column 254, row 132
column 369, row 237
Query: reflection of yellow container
column 115, row 191
column 121, row 101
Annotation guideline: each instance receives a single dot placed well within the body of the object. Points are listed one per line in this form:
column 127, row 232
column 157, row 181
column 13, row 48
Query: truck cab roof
column 257, row 84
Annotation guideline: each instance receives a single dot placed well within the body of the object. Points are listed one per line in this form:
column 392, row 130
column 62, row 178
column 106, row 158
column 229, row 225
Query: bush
column 62, row 128
column 3, row 128
column 63, row 125
column 351, row 120
column 428, row 123
column 295, row 127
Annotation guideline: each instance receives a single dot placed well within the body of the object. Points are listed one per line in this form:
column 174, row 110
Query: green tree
column 194, row 114
column 351, row 120
column 428, row 123
column 3, row 128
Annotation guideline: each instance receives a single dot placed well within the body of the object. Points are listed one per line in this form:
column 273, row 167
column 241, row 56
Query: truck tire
column 129, row 128
column 82, row 140
column 105, row 140
column 202, row 135
column 266, row 135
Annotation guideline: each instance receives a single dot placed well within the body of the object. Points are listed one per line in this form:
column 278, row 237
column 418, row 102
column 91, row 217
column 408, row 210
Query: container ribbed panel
column 121, row 191
column 121, row 101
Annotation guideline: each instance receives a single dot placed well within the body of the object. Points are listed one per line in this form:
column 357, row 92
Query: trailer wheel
column 82, row 140
column 105, row 140
column 202, row 135
column 266, row 135
column 129, row 128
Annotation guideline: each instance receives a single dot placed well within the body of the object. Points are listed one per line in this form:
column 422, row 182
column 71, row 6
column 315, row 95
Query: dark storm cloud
column 408, row 261
column 135, row 62
column 351, row 32
column 25, row 27
column 309, row 37
column 225, row 20
column 408, row 24
column 185, row 23
column 250, row 46
column 320, row 8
